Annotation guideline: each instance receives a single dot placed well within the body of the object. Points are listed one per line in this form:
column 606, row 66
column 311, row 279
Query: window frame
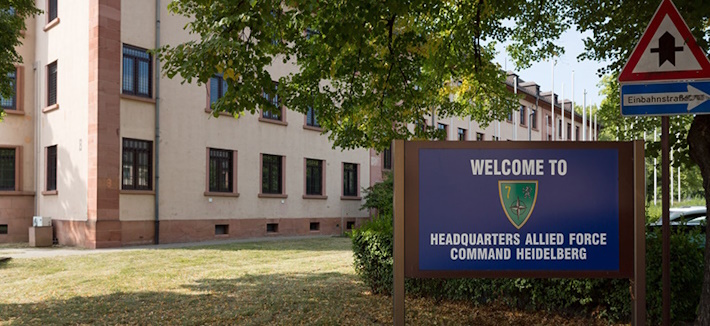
column 311, row 123
column 267, row 116
column 281, row 177
column 347, row 169
column 136, row 76
column 51, row 170
column 52, row 11
column 52, row 85
column 136, row 166
column 444, row 127
column 387, row 158
column 17, row 164
column 306, row 168
column 13, row 106
column 233, row 172
column 221, row 89
column 480, row 136
column 462, row 134
column 533, row 119
column 523, row 115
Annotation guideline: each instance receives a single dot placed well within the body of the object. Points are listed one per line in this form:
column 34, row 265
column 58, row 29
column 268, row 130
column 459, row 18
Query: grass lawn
column 287, row 282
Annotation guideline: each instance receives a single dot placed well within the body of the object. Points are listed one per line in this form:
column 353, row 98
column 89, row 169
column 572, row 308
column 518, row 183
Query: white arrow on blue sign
column 665, row 98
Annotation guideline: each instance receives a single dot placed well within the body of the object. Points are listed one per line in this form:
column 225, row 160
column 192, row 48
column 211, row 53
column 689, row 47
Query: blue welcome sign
column 519, row 209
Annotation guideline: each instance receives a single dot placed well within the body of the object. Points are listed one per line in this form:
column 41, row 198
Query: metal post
column 398, row 273
column 665, row 216
column 639, row 282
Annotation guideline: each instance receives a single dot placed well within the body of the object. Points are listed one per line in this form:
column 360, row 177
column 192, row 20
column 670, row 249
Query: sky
column 585, row 72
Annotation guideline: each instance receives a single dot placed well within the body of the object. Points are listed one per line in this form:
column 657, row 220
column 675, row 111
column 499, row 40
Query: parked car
column 683, row 215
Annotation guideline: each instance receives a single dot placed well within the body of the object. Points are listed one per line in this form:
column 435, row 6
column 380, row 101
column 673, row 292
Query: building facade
column 116, row 155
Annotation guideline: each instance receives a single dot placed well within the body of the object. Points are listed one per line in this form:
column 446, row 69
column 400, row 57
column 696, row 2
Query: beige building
column 115, row 155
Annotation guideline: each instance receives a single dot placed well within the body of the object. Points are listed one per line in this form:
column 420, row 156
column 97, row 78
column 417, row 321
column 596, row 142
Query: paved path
column 48, row 252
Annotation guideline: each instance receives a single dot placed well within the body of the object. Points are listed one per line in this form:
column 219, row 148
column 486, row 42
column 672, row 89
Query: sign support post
column 398, row 292
column 665, row 222
column 639, row 280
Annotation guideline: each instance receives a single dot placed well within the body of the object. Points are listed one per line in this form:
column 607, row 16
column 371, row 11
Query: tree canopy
column 12, row 22
column 367, row 68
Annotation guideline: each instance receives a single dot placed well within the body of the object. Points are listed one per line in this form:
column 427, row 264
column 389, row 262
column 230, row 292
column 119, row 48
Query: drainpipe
column 157, row 125
column 38, row 131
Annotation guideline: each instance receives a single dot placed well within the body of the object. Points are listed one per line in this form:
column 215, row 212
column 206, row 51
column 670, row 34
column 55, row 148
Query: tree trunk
column 699, row 145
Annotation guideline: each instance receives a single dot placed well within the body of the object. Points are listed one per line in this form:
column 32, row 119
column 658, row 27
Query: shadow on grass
column 319, row 244
column 284, row 299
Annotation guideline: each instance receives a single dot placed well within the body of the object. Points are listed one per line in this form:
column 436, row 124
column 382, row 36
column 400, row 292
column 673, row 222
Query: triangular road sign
column 667, row 51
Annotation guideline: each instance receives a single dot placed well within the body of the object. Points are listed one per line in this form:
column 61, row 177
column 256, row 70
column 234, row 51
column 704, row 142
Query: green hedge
column 605, row 298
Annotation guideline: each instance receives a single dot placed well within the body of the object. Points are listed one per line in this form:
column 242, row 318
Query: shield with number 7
column 518, row 200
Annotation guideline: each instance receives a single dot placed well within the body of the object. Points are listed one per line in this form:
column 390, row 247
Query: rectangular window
column 271, row 174
column 349, row 225
column 311, row 119
column 523, row 113
column 221, row 163
column 10, row 102
column 221, row 229
column 51, row 168
column 479, row 136
column 275, row 112
column 445, row 129
column 7, row 169
column 272, row 227
column 314, row 226
column 137, row 71
column 509, row 118
column 387, row 158
column 52, row 10
column 218, row 86
column 576, row 133
column 314, row 177
column 52, row 84
column 495, row 138
column 569, row 131
column 462, row 134
column 559, row 129
column 350, row 180
column 533, row 119
column 137, row 164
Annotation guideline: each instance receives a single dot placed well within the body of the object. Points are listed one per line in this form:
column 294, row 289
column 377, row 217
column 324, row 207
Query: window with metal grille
column 9, row 102
column 387, row 158
column 218, row 86
column 52, row 10
column 314, row 177
column 52, row 168
column 275, row 112
column 137, row 167
column 350, row 179
column 311, row 118
column 523, row 112
column 7, row 169
column 462, row 134
column 137, row 71
column 271, row 174
column 52, row 83
column 221, row 164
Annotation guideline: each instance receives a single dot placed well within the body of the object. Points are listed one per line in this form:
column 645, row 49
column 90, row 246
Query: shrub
column 380, row 196
column 608, row 299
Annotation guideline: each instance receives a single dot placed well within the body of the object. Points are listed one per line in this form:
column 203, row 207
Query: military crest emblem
column 518, row 200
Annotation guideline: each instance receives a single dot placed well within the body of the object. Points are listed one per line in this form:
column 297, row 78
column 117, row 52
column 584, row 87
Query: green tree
column 616, row 26
column 367, row 68
column 12, row 22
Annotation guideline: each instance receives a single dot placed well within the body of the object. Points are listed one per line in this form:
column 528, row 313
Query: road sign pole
column 665, row 206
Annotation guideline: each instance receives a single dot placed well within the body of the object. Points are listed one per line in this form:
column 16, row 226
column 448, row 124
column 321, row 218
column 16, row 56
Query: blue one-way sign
column 665, row 98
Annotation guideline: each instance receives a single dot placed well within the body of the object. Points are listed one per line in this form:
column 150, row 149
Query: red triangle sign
column 667, row 51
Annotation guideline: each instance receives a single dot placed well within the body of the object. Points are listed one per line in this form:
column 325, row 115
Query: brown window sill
column 277, row 122
column 138, row 98
column 272, row 195
column 16, row 193
column 221, row 194
column 51, row 24
column 314, row 197
column 307, row 127
column 14, row 112
column 136, row 192
column 51, row 108
column 208, row 110
column 350, row 198
column 50, row 193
